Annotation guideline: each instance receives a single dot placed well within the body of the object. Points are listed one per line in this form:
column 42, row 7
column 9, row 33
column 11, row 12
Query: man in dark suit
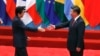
column 19, row 36
column 75, row 42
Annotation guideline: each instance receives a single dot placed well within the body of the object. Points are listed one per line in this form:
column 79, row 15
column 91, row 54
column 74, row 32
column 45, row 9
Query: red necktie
column 73, row 21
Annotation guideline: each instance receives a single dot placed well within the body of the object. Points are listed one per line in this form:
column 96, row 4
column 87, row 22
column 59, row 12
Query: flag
column 3, row 14
column 27, row 20
column 59, row 9
column 80, row 4
column 31, row 8
column 2, row 10
column 20, row 3
column 67, row 8
column 40, row 5
column 50, row 13
column 92, row 9
column 31, row 18
column 10, row 8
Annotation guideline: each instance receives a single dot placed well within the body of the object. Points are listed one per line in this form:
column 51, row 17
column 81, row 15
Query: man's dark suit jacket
column 19, row 36
column 76, row 33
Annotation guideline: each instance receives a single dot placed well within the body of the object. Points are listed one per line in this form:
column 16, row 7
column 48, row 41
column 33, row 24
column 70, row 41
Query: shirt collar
column 77, row 17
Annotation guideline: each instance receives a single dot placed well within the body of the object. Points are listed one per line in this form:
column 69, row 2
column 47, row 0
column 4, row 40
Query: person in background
column 19, row 36
column 75, row 42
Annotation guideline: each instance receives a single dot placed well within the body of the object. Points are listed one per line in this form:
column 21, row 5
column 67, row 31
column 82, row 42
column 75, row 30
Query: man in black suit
column 19, row 36
column 75, row 42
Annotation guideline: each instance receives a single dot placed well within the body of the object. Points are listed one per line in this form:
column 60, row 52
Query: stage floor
column 45, row 51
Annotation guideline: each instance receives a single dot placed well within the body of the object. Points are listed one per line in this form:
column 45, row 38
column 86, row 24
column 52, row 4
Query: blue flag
column 50, row 13
column 3, row 14
column 67, row 8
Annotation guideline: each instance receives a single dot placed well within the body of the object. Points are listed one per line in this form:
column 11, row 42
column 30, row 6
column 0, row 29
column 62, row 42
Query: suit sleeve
column 62, row 25
column 18, row 24
column 81, row 30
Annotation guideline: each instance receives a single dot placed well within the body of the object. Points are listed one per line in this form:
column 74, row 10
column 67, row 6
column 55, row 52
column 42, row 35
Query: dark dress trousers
column 75, row 35
column 19, row 36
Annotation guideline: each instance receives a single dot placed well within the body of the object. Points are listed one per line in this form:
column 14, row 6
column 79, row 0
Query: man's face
column 22, row 14
column 73, row 13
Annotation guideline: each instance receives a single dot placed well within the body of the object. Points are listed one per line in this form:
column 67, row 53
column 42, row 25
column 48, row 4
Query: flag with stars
column 40, row 6
column 50, row 13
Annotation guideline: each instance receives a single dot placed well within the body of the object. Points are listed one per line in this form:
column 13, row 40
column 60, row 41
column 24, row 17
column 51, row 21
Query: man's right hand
column 51, row 27
column 41, row 29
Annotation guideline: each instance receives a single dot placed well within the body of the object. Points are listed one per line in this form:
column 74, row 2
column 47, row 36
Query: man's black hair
column 19, row 10
column 76, row 9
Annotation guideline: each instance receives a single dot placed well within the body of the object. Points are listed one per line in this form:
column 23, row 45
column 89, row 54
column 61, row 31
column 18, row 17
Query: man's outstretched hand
column 51, row 27
column 41, row 29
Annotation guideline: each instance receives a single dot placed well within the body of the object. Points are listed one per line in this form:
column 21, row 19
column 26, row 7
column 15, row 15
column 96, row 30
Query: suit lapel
column 75, row 22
